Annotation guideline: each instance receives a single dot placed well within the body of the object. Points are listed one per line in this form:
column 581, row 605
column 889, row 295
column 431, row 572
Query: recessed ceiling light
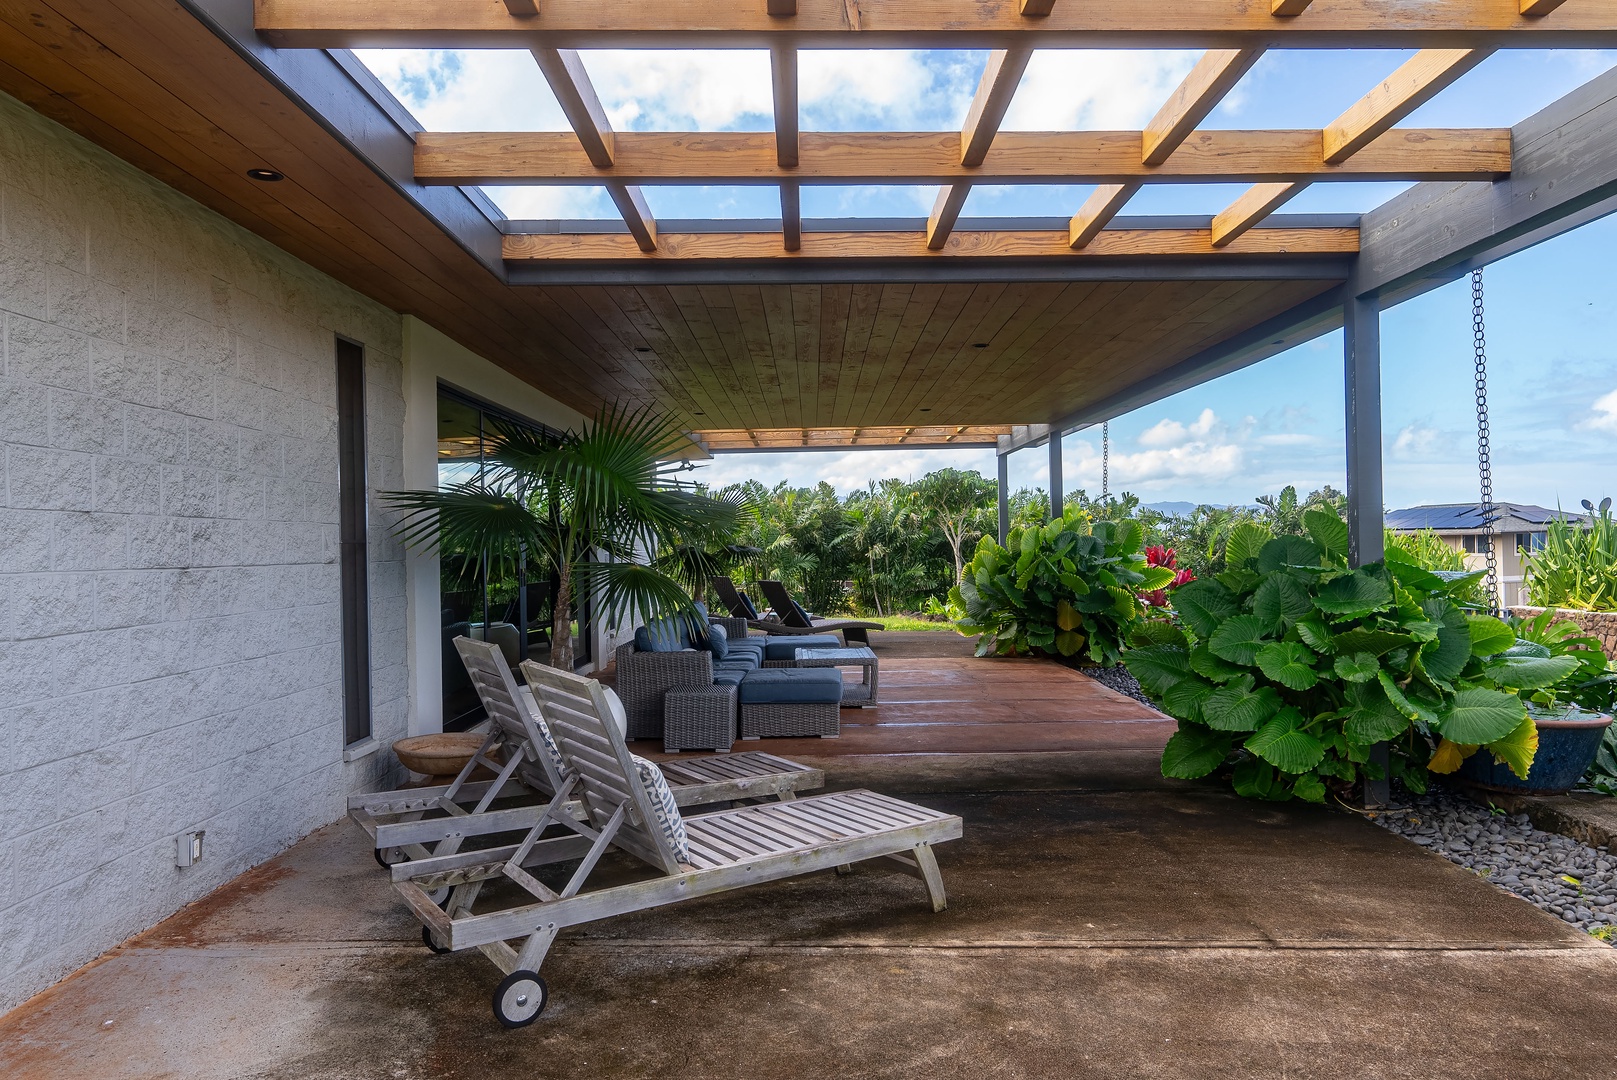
column 979, row 344
column 926, row 410
column 641, row 348
column 699, row 412
column 267, row 176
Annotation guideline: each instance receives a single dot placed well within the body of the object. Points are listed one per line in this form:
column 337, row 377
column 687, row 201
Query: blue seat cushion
column 728, row 676
column 738, row 647
column 661, row 635
column 785, row 646
column 778, row 686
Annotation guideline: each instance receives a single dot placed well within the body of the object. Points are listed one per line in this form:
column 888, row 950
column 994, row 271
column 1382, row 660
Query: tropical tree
column 609, row 487
column 957, row 502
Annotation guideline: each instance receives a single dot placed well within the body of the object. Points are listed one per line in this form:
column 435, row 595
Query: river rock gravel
column 1571, row 880
column 1118, row 678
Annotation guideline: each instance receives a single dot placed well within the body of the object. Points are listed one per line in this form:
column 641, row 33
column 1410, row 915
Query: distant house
column 1518, row 528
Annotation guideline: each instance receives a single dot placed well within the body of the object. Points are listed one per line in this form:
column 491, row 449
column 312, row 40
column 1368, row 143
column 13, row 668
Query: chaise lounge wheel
column 386, row 857
column 426, row 936
column 520, row 998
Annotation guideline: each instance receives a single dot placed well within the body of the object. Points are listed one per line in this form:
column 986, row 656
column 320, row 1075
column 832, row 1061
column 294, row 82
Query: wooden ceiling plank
column 653, row 312
column 1213, row 77
column 777, row 308
column 927, row 157
column 1421, row 78
column 1001, row 76
column 684, row 247
column 873, row 371
column 806, row 335
column 1063, row 298
column 918, row 308
column 863, row 309
column 971, row 366
column 1164, row 24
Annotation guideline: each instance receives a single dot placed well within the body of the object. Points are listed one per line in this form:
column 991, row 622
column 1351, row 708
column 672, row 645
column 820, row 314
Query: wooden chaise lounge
column 626, row 809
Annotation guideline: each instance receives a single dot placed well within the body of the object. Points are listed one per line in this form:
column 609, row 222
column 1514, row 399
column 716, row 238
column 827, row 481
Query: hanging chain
column 1106, row 460
column 1479, row 341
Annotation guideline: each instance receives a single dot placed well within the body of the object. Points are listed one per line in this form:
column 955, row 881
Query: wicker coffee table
column 699, row 718
column 858, row 695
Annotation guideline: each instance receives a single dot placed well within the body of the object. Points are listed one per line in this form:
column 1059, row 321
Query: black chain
column 1106, row 460
column 1479, row 341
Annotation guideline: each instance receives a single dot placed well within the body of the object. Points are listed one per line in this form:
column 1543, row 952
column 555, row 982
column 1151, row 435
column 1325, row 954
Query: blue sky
column 1552, row 312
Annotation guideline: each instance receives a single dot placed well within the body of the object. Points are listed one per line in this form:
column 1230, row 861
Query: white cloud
column 1604, row 417
column 683, row 90
column 1076, row 90
column 1418, row 441
column 1167, row 432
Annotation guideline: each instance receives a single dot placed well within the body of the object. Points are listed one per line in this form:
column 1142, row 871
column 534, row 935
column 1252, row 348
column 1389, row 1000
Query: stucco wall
column 169, row 622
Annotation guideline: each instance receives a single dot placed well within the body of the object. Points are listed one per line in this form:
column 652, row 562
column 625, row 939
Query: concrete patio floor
column 1127, row 928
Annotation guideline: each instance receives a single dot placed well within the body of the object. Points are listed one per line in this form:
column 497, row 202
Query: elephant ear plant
column 1290, row 666
column 1069, row 588
column 610, row 486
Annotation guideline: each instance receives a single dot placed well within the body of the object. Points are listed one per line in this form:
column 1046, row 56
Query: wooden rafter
column 783, row 78
column 1161, row 24
column 743, row 157
column 1214, row 76
column 564, row 71
column 995, row 89
column 1364, row 122
column 557, row 247
column 959, row 435
column 1288, row 8
column 1540, row 7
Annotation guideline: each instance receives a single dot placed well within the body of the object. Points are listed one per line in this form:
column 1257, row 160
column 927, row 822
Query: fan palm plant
column 610, row 486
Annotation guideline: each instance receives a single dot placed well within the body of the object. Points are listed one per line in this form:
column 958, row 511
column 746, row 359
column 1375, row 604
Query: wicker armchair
column 735, row 628
column 644, row 677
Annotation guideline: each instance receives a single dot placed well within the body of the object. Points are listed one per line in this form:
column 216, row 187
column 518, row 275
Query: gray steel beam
column 1563, row 174
column 1058, row 494
column 1362, row 399
column 1004, row 496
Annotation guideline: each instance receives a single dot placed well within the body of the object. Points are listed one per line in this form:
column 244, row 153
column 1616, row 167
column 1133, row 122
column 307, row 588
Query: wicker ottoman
column 699, row 718
column 791, row 702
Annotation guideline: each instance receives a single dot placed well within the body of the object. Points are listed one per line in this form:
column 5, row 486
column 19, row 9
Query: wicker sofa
column 645, row 676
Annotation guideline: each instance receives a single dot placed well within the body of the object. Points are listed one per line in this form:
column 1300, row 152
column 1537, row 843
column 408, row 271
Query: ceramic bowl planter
column 1567, row 743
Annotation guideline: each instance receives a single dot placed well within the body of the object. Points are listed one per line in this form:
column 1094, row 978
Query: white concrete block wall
column 169, row 620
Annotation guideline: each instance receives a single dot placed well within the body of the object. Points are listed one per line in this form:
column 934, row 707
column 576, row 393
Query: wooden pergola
column 793, row 333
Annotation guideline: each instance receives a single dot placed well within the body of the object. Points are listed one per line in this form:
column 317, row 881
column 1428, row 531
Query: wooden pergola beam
column 1416, row 82
column 1421, row 78
column 1286, row 9
column 1101, row 207
column 564, row 71
column 1214, row 76
column 998, row 24
column 996, row 88
column 743, row 157
column 1055, row 245
column 783, row 79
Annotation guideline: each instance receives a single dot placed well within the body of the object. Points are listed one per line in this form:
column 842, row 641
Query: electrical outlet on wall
column 188, row 848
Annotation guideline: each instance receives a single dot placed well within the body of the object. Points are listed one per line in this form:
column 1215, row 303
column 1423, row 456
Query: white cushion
column 665, row 811
column 615, row 710
column 562, row 768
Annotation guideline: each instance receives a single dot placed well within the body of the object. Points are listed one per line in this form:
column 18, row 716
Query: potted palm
column 590, row 502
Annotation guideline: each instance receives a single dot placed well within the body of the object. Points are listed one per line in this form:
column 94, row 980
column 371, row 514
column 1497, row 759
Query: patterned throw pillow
column 665, row 810
column 562, row 768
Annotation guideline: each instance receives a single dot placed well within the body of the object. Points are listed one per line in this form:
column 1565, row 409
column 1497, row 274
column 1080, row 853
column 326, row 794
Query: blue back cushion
column 718, row 640
column 661, row 635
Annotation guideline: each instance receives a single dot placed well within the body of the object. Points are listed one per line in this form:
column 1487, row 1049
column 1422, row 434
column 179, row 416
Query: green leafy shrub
column 1069, row 588
column 1429, row 551
column 1290, row 666
column 1577, row 567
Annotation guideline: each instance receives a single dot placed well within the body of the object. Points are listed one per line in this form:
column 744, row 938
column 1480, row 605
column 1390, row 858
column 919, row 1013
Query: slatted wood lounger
column 397, row 820
column 727, row 850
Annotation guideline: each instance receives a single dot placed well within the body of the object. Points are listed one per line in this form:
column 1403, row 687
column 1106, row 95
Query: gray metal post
column 1057, row 494
column 1004, row 496
column 1361, row 319
column 1361, row 323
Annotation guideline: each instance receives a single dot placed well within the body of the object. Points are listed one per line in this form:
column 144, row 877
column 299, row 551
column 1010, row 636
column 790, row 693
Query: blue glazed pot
column 1566, row 749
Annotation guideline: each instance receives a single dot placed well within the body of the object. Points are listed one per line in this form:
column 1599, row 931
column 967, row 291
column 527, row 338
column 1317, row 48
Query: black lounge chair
column 741, row 607
column 792, row 615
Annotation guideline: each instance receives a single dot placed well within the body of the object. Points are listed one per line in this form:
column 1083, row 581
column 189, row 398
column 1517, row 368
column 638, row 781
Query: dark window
column 351, row 497
column 513, row 609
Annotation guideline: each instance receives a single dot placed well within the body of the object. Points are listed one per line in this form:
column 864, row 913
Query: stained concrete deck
column 1102, row 923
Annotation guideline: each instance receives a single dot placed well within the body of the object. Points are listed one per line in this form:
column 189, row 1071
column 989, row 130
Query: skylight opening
column 872, row 201
column 468, row 90
column 1095, row 89
column 1025, row 200
column 739, row 201
column 886, row 89
column 552, row 201
column 683, row 89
